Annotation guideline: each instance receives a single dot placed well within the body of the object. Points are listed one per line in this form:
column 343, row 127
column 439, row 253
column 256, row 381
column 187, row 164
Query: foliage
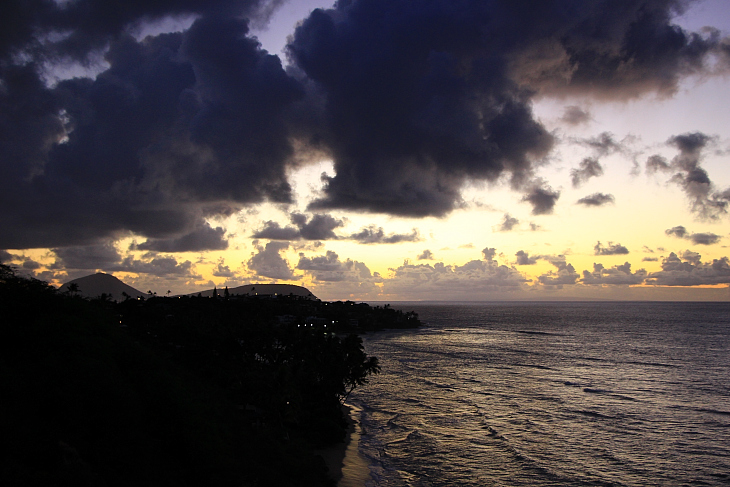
column 166, row 391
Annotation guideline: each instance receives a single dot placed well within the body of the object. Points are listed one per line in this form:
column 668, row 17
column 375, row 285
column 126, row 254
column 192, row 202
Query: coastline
column 345, row 464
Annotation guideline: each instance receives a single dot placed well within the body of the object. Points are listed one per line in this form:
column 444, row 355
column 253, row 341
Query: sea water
column 550, row 394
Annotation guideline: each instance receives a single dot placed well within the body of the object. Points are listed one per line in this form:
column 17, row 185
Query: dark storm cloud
column 611, row 249
column 5, row 256
column 179, row 127
column 410, row 99
column 164, row 266
column 420, row 96
column 100, row 256
column 318, row 227
column 376, row 235
column 597, row 199
column 705, row 200
column 696, row 238
column 542, row 198
column 575, row 115
column 588, row 168
column 85, row 25
column 508, row 223
column 203, row 238
column 107, row 258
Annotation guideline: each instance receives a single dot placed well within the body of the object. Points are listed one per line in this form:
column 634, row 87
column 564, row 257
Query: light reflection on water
column 546, row 394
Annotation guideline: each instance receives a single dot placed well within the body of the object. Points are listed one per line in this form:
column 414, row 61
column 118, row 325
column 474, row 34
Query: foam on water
column 548, row 394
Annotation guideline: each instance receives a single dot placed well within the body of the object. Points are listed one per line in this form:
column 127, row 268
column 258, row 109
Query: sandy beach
column 346, row 466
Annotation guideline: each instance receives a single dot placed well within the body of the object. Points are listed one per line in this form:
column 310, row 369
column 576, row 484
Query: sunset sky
column 373, row 150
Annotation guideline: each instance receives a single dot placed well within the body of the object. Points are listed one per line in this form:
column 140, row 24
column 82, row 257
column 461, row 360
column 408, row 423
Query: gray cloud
column 617, row 275
column 523, row 258
column 268, row 262
column 329, row 268
column 508, row 223
column 376, row 235
column 165, row 266
column 476, row 279
column 705, row 200
column 597, row 199
column 411, row 101
column 426, row 255
column 202, row 238
column 91, row 257
column 692, row 272
column 564, row 274
column 588, row 168
column 696, row 238
column 489, row 253
column 318, row 227
column 542, row 198
column 575, row 115
column 223, row 270
column 657, row 163
column 611, row 249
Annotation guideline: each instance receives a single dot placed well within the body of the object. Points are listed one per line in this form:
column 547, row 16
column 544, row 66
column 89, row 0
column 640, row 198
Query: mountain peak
column 95, row 285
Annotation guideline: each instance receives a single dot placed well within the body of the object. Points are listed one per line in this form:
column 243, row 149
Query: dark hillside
column 168, row 391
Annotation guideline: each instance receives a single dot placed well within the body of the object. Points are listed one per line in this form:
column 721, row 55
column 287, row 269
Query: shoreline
column 344, row 463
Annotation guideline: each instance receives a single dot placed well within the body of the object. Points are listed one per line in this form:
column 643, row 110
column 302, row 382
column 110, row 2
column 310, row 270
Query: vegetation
column 174, row 391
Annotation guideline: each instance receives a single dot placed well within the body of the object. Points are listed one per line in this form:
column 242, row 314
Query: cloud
column 91, row 257
column 542, row 198
column 268, row 262
column 178, row 128
column 588, row 168
column 489, row 253
column 690, row 272
column 696, row 238
column 564, row 274
column 376, row 235
column 202, row 238
column 318, row 227
column 657, row 163
column 222, row 270
column 611, row 249
column 426, row 255
column 597, row 199
column 5, row 256
column 508, row 223
column 476, row 279
column 524, row 259
column 410, row 100
column 705, row 200
column 575, row 115
column 617, row 275
column 162, row 266
column 329, row 268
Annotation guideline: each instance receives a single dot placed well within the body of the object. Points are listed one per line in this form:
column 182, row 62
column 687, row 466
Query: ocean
column 550, row 394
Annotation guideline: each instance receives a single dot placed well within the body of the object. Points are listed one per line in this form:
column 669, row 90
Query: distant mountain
column 97, row 284
column 263, row 290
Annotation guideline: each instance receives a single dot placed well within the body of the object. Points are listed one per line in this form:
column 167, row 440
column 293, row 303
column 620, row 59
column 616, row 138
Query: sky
column 370, row 150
